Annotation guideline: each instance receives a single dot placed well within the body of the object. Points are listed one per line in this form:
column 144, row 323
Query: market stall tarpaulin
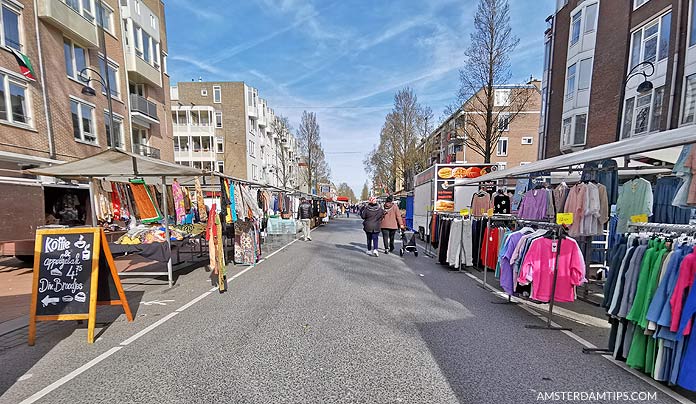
column 447, row 174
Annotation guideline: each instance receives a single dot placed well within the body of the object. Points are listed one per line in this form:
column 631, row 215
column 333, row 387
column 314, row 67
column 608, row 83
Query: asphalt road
column 318, row 322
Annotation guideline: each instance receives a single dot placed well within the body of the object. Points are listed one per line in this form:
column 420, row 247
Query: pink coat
column 538, row 266
column 392, row 217
column 687, row 273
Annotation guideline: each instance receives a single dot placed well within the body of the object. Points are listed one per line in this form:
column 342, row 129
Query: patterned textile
column 200, row 204
column 178, row 202
column 145, row 203
column 245, row 245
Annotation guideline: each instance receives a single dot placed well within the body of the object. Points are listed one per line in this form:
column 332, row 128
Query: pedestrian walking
column 372, row 215
column 391, row 222
column 304, row 214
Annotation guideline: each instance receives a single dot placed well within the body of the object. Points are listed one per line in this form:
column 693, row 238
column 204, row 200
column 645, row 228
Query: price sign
column 73, row 272
column 490, row 212
column 564, row 218
column 464, row 212
column 639, row 219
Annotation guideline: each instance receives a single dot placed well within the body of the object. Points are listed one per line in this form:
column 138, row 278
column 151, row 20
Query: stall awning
column 117, row 164
column 626, row 147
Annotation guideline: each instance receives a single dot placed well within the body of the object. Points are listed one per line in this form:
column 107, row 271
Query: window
column 502, row 149
column 656, row 115
column 105, row 17
column 118, row 130
column 137, row 7
column 648, row 40
column 147, row 52
column 218, row 119
column 204, row 92
column 570, row 81
column 503, row 122
column 82, row 7
column 580, row 130
column 585, row 74
column 83, row 121
column 220, row 145
column 252, row 149
column 10, row 27
column 501, row 98
column 590, row 17
column 221, row 166
column 217, row 94
column 527, row 140
column 638, row 3
column 524, row 163
column 140, row 138
column 164, row 64
column 153, row 21
column 575, row 28
column 643, row 113
column 253, row 171
column 689, row 107
column 137, row 40
column 565, row 131
column 252, row 127
column 112, row 75
column 250, row 98
column 75, row 60
column 13, row 94
column 692, row 24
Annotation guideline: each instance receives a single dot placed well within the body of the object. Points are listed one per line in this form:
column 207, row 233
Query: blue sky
column 343, row 59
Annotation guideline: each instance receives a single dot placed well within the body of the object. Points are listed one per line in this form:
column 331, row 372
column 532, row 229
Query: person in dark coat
column 304, row 215
column 372, row 215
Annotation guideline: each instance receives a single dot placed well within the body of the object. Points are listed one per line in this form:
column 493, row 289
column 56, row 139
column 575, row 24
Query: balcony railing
column 142, row 105
column 145, row 150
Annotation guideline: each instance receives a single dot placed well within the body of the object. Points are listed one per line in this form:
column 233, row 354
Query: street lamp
column 646, row 86
column 104, row 81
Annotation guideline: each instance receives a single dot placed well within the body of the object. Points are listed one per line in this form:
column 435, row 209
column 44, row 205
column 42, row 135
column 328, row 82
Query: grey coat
column 372, row 215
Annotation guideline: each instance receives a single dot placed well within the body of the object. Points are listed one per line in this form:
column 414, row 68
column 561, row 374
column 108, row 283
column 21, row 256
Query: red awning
column 343, row 199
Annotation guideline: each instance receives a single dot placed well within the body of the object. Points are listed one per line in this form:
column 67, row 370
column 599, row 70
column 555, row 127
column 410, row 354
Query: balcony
column 59, row 14
column 145, row 150
column 143, row 112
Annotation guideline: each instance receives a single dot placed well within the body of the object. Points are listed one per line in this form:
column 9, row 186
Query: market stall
column 610, row 192
column 138, row 188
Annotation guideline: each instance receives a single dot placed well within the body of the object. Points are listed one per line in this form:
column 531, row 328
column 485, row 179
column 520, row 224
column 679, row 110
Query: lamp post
column 104, row 81
column 643, row 88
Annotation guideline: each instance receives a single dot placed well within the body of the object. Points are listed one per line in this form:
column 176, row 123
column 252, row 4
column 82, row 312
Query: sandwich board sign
column 73, row 273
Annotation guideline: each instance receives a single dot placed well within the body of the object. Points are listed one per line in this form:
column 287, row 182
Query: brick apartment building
column 518, row 141
column 227, row 127
column 52, row 119
column 591, row 47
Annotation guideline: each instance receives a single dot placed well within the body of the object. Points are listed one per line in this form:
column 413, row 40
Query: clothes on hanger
column 635, row 198
column 501, row 203
column 480, row 203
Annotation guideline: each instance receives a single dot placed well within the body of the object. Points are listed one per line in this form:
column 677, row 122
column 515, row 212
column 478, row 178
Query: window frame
column 635, row 108
column 110, row 20
column 496, row 98
column 218, row 124
column 220, row 166
column 639, row 3
column 120, row 133
column 503, row 143
column 6, row 80
column 573, row 38
column 89, row 15
column 80, row 104
column 218, row 99
column 110, row 64
column 657, row 36
column 252, row 148
column 77, row 76
column 204, row 92
column 506, row 116
column 570, row 88
column 529, row 138
column 220, row 142
column 12, row 7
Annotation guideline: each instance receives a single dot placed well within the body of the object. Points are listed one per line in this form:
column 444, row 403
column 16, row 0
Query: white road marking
column 149, row 328
column 157, row 302
column 192, row 302
column 24, row 377
column 37, row 396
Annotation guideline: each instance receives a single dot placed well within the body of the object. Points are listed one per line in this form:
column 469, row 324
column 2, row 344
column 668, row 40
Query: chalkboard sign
column 65, row 271
column 73, row 273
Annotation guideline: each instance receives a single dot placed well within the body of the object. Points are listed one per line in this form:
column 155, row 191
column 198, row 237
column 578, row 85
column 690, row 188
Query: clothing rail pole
column 549, row 326
column 461, row 246
column 487, row 233
column 170, row 278
column 509, row 296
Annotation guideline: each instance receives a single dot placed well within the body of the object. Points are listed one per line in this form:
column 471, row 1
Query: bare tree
column 365, row 193
column 316, row 168
column 396, row 158
column 283, row 172
column 344, row 189
column 487, row 65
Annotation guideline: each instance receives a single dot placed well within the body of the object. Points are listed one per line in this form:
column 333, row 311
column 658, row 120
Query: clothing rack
column 681, row 228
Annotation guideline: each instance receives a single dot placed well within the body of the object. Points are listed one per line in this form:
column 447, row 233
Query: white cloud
column 199, row 64
column 197, row 10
